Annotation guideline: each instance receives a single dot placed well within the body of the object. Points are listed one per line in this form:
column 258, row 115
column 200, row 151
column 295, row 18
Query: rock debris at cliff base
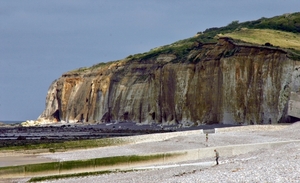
column 62, row 132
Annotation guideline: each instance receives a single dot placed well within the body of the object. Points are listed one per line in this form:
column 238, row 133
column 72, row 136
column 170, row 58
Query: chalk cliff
column 223, row 82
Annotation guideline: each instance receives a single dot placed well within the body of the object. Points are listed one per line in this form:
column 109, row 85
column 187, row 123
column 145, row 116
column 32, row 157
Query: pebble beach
column 280, row 164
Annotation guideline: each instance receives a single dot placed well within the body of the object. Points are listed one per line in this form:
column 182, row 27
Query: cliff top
column 277, row 32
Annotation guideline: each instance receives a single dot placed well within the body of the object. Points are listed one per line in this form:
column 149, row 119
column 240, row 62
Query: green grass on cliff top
column 262, row 36
column 280, row 31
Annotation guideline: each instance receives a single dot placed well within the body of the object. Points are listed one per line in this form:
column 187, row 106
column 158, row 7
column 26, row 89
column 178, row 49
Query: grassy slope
column 282, row 31
column 262, row 36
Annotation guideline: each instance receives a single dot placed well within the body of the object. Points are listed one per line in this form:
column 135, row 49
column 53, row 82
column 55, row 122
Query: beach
column 277, row 164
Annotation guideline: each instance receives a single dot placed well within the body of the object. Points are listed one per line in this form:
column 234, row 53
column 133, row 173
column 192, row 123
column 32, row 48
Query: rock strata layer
column 226, row 83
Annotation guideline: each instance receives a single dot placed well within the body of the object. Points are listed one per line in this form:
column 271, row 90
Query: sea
column 11, row 122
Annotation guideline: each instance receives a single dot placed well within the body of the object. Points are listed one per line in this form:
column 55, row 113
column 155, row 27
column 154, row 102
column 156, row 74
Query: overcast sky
column 41, row 39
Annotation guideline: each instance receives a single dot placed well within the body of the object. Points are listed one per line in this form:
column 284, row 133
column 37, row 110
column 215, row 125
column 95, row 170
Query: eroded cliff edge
column 224, row 82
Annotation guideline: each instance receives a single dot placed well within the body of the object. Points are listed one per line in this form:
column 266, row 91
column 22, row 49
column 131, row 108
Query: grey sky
column 42, row 39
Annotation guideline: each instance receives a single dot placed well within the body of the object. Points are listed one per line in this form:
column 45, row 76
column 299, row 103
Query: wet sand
column 22, row 159
column 59, row 132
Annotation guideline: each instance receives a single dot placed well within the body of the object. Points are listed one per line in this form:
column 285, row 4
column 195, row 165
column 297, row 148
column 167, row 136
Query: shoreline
column 236, row 129
column 86, row 131
column 244, row 165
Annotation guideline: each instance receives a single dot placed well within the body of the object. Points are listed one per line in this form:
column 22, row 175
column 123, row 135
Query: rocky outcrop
column 225, row 83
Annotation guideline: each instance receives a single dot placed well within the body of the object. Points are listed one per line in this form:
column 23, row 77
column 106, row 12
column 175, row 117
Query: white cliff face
column 51, row 104
column 256, row 86
column 222, row 83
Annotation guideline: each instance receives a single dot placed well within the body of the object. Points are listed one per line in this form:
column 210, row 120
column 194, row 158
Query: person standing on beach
column 217, row 156
column 206, row 137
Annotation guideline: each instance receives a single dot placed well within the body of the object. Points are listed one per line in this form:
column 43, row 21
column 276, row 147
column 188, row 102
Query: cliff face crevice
column 214, row 83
